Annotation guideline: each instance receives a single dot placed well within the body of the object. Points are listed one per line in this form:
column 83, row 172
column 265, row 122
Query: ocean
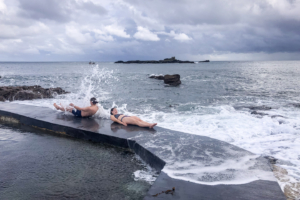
column 215, row 99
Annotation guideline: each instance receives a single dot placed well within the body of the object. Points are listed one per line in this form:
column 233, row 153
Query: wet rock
column 12, row 93
column 275, row 116
column 173, row 80
column 261, row 114
column 258, row 113
column 271, row 159
column 159, row 77
column 260, row 108
column 205, row 61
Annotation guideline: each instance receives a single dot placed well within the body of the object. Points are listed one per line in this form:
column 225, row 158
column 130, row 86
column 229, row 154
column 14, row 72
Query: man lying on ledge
column 80, row 112
column 124, row 119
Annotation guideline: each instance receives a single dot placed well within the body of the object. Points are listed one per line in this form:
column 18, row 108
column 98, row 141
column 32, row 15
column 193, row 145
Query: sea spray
column 147, row 174
column 93, row 83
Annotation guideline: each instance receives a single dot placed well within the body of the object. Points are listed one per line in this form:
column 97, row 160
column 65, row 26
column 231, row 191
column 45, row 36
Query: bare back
column 89, row 111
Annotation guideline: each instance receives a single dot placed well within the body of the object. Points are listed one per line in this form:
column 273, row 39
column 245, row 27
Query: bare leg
column 142, row 123
column 137, row 121
column 69, row 109
column 58, row 107
column 153, row 125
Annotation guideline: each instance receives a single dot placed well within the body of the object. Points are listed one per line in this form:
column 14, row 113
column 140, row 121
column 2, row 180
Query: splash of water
column 91, row 84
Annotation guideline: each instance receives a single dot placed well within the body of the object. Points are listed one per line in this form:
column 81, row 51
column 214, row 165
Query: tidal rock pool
column 36, row 165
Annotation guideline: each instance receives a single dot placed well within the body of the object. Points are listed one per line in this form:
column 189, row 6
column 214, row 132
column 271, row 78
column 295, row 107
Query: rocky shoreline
column 11, row 93
column 165, row 61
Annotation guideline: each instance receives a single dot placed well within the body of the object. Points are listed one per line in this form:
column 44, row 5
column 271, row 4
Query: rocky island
column 166, row 60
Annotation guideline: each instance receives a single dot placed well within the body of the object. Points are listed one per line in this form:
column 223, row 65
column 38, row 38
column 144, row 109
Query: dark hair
column 112, row 110
column 94, row 100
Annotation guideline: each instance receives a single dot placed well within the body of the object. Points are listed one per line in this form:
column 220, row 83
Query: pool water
column 37, row 165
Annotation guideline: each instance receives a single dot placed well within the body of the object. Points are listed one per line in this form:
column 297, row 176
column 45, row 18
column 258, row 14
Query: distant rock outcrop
column 12, row 93
column 164, row 61
column 173, row 80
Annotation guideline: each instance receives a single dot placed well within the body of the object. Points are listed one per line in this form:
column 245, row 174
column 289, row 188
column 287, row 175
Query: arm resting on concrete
column 116, row 120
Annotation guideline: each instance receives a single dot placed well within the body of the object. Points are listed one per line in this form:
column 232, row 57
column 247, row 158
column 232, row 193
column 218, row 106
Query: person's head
column 113, row 111
column 93, row 101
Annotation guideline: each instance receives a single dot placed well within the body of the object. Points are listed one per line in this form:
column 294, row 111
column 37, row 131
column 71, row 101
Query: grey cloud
column 57, row 10
column 51, row 27
column 93, row 8
column 45, row 9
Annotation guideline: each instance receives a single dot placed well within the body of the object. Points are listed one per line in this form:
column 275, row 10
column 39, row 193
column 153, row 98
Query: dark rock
column 297, row 105
column 264, row 114
column 166, row 60
column 259, row 108
column 12, row 93
column 91, row 63
column 175, row 83
column 258, row 113
column 274, row 116
column 173, row 80
column 160, row 77
column 271, row 159
column 205, row 61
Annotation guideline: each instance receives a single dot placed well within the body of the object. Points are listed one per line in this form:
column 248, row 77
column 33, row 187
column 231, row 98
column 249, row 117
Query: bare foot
column 56, row 106
column 153, row 125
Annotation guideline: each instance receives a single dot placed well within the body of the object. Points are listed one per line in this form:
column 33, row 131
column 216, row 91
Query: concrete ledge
column 160, row 148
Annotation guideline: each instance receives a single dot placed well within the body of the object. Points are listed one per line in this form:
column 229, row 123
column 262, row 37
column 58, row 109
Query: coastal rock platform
column 196, row 167
column 11, row 93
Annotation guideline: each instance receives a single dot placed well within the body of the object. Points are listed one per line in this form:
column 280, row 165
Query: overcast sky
column 83, row 30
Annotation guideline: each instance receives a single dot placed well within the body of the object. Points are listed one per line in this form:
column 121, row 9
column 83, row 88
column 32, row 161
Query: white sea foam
column 231, row 171
column 146, row 174
column 277, row 137
column 90, row 86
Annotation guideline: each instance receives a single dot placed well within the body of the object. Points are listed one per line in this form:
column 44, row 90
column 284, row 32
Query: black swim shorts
column 77, row 113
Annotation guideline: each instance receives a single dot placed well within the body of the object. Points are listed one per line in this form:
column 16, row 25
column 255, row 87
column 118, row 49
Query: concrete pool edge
column 83, row 129
column 146, row 155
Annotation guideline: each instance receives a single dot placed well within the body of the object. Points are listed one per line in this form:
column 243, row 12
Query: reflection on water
column 42, row 166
